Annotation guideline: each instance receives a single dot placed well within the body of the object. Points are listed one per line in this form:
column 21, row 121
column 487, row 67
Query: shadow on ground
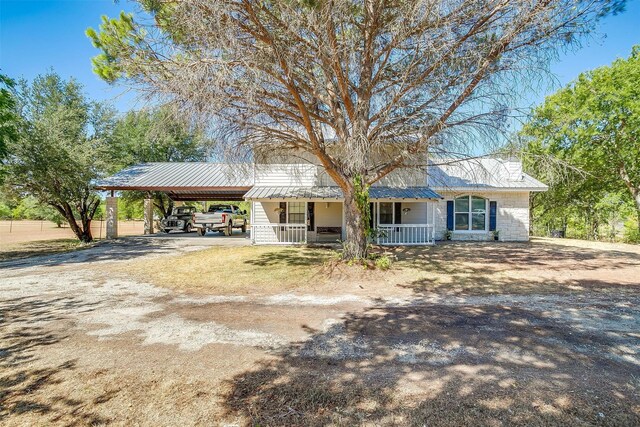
column 495, row 345
column 305, row 257
column 499, row 268
column 446, row 365
column 117, row 250
column 516, row 256
column 25, row 380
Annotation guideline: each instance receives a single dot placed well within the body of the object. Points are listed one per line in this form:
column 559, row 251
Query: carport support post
column 148, row 215
column 112, row 216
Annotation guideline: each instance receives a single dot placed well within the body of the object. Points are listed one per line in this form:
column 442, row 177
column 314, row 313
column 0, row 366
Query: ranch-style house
column 297, row 202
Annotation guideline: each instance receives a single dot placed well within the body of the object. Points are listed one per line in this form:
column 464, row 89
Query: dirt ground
column 29, row 231
column 540, row 333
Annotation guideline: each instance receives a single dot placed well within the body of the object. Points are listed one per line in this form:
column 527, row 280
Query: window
column 386, row 212
column 470, row 213
column 296, row 212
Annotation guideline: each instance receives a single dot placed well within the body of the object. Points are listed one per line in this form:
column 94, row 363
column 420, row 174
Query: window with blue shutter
column 493, row 212
column 450, row 215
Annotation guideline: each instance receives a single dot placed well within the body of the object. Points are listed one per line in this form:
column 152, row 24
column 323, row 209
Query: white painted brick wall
column 512, row 219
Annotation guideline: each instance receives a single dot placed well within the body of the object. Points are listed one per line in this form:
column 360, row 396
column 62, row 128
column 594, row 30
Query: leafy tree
column 593, row 125
column 30, row 208
column 8, row 117
column 362, row 86
column 62, row 146
column 157, row 135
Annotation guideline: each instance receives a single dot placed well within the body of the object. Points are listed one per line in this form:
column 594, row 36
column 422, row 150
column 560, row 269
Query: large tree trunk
column 356, row 245
column 86, row 235
column 159, row 203
column 83, row 233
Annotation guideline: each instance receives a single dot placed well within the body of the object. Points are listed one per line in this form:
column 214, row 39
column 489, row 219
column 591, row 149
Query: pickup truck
column 181, row 219
column 222, row 218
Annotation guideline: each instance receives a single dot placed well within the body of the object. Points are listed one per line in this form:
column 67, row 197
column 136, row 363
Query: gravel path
column 73, row 317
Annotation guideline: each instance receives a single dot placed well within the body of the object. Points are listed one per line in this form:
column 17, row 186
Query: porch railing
column 405, row 234
column 279, row 234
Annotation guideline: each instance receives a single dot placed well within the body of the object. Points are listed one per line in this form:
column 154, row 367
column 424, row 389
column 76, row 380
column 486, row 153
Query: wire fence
column 27, row 230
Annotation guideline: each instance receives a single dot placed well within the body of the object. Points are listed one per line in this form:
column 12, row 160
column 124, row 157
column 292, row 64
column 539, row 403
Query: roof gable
column 484, row 174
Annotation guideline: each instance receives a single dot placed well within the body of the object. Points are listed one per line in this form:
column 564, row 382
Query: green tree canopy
column 157, row 135
column 8, row 117
column 593, row 125
column 62, row 147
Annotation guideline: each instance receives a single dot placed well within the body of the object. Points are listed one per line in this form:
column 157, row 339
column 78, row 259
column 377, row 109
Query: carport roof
column 376, row 192
column 185, row 180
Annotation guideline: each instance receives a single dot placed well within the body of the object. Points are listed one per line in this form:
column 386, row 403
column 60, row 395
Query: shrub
column 631, row 235
column 5, row 211
column 383, row 262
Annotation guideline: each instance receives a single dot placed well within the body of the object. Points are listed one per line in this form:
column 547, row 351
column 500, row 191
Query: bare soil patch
column 458, row 334
column 12, row 232
column 38, row 248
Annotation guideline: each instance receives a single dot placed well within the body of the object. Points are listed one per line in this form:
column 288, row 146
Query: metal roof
column 180, row 176
column 376, row 192
column 481, row 174
column 228, row 181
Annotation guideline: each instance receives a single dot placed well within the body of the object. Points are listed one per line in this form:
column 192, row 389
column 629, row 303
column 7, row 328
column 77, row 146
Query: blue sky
column 39, row 34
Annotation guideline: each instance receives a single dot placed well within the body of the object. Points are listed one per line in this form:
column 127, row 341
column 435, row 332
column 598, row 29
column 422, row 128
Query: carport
column 187, row 181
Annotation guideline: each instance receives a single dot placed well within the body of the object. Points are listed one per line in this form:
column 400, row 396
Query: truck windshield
column 183, row 211
column 220, row 209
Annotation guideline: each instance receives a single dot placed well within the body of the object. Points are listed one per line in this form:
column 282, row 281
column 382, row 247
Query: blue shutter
column 493, row 210
column 449, row 214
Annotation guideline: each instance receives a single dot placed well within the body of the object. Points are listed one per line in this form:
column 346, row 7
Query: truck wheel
column 188, row 228
column 244, row 226
column 229, row 230
column 201, row 231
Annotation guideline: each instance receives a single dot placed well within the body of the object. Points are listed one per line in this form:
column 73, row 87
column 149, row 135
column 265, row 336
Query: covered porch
column 300, row 215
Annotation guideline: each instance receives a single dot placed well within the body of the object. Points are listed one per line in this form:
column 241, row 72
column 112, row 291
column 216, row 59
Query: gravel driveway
column 82, row 344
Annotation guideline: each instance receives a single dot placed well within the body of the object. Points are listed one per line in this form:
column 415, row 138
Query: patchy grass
column 454, row 268
column 540, row 266
column 44, row 247
column 246, row 269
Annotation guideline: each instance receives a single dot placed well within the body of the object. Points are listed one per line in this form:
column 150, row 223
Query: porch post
column 112, row 216
column 343, row 234
column 306, row 218
column 148, row 215
column 433, row 222
column 251, row 220
column 377, row 222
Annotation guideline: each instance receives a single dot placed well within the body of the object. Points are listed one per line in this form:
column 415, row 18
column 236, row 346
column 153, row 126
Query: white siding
column 512, row 218
column 328, row 214
column 280, row 175
column 417, row 214
column 264, row 212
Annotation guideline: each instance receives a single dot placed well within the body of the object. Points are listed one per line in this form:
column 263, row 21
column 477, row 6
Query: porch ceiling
column 311, row 193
